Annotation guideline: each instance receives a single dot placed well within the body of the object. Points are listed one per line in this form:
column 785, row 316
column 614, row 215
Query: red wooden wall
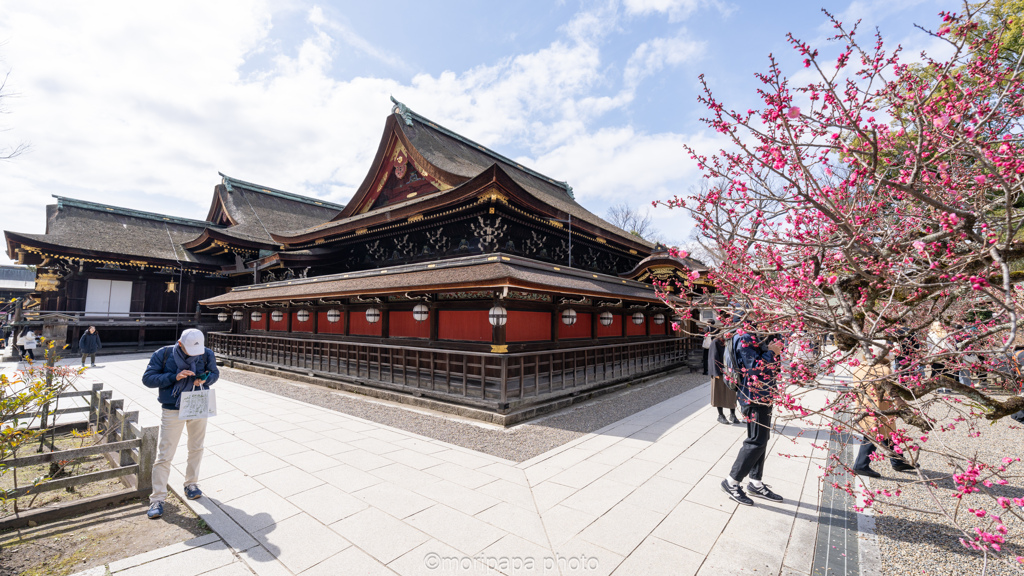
column 360, row 326
column 635, row 329
column 261, row 325
column 613, row 329
column 581, row 329
column 471, row 325
column 297, row 326
column 659, row 329
column 527, row 326
column 403, row 325
column 323, row 326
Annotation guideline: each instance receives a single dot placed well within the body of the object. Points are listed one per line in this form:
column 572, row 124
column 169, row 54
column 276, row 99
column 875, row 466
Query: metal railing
column 497, row 382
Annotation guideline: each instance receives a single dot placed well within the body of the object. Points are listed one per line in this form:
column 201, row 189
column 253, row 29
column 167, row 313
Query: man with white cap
column 186, row 365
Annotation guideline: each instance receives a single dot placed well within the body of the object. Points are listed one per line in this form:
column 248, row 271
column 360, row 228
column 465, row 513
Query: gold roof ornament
column 172, row 286
column 47, row 282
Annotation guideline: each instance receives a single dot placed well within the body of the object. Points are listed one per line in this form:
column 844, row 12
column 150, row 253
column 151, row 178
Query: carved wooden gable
column 399, row 178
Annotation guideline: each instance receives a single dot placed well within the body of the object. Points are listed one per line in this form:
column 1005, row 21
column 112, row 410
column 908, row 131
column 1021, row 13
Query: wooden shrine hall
column 454, row 275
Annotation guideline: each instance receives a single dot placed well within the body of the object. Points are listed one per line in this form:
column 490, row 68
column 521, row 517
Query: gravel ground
column 517, row 443
column 918, row 543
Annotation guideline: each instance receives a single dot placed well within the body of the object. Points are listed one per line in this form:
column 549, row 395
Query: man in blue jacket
column 186, row 365
column 758, row 361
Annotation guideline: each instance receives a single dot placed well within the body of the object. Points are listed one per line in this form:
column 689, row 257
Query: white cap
column 192, row 341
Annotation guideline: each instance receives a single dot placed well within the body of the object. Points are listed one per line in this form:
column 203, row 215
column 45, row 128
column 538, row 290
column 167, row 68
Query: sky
column 141, row 104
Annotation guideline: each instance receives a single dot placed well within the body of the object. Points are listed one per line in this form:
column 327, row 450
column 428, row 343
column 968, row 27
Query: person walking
column 185, row 365
column 721, row 395
column 759, row 361
column 877, row 425
column 27, row 342
column 89, row 344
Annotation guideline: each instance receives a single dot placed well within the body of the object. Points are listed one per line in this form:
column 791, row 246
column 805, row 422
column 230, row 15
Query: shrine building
column 454, row 275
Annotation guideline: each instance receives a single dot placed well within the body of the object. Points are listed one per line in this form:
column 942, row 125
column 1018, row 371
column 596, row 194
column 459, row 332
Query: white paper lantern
column 237, row 315
column 606, row 318
column 372, row 315
column 302, row 315
column 497, row 316
column 333, row 315
column 638, row 318
column 222, row 317
column 256, row 316
column 659, row 319
column 420, row 312
column 568, row 317
column 277, row 315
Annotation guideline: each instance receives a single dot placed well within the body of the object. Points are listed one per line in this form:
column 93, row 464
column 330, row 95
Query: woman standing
column 89, row 344
column 721, row 395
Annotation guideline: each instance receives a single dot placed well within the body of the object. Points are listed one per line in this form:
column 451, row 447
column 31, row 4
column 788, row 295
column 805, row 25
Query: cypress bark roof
column 476, row 272
column 91, row 228
column 253, row 211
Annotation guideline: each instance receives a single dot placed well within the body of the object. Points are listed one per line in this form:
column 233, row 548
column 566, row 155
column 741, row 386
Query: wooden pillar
column 556, row 324
column 288, row 319
column 142, row 336
column 647, row 324
column 345, row 310
column 595, row 321
column 433, row 319
column 624, row 315
column 498, row 332
column 385, row 321
column 314, row 314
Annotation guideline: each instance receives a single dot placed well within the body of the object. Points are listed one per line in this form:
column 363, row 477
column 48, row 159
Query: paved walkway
column 293, row 488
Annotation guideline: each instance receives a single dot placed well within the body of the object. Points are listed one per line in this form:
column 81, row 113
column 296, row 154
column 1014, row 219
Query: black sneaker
column 733, row 419
column 866, row 472
column 722, row 420
column 902, row 466
column 736, row 493
column 764, row 492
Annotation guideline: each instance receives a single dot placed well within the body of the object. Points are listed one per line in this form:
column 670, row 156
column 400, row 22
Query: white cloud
column 143, row 110
column 677, row 10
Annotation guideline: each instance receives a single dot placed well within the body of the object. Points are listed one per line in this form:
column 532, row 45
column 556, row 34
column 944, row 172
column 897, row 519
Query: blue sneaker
column 192, row 492
column 156, row 510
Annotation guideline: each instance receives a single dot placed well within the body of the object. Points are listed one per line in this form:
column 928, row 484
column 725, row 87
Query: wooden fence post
column 128, row 433
column 94, row 406
column 147, row 455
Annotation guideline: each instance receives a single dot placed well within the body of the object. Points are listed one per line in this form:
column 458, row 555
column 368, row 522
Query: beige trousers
column 170, row 434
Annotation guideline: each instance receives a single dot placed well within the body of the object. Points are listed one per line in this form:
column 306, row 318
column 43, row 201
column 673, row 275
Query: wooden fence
column 497, row 382
column 130, row 449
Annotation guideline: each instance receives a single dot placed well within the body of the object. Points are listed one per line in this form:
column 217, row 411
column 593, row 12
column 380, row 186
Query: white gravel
column 918, row 543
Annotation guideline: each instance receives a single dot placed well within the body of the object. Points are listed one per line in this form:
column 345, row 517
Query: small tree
column 633, row 220
column 880, row 207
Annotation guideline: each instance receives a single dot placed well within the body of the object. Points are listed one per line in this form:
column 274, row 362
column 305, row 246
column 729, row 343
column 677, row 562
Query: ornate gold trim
column 496, row 349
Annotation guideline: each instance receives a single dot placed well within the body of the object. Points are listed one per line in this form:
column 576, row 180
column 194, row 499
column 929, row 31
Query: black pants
column 705, row 361
column 750, row 460
column 864, row 455
column 27, row 352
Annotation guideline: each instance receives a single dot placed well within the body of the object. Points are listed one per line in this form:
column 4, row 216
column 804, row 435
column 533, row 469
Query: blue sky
column 141, row 104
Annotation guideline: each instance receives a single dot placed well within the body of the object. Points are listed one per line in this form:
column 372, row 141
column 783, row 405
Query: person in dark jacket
column 759, row 364
column 722, row 396
column 186, row 365
column 89, row 344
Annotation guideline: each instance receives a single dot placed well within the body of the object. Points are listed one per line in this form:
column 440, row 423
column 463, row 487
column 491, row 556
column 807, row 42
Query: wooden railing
column 130, row 449
column 498, row 382
column 78, row 317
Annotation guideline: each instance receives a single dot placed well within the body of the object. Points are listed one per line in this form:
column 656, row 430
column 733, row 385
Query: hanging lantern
column 372, row 315
column 497, row 316
column 172, row 286
column 568, row 317
column 333, row 315
column 659, row 319
column 638, row 317
column 277, row 315
column 606, row 318
column 302, row 315
column 237, row 315
column 256, row 316
column 222, row 317
column 420, row 312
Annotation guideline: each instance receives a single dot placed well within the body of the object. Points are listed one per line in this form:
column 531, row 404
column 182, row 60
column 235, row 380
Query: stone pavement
column 292, row 488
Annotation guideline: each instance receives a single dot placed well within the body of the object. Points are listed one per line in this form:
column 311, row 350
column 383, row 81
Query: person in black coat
column 89, row 344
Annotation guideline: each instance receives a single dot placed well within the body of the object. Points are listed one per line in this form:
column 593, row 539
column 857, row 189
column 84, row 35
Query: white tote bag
column 197, row 403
